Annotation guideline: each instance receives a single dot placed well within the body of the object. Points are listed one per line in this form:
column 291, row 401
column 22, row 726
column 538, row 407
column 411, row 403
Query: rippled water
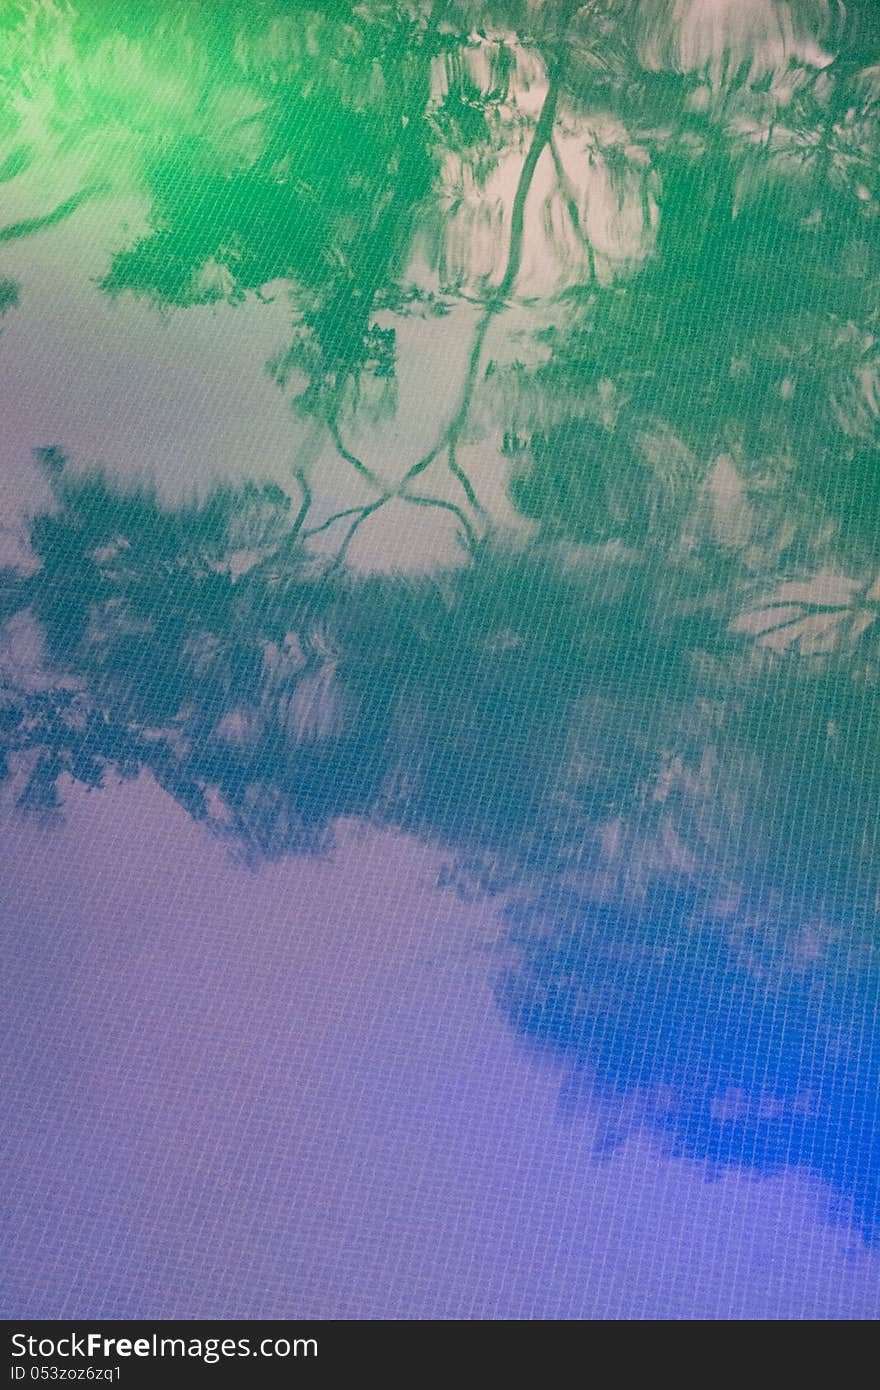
column 440, row 658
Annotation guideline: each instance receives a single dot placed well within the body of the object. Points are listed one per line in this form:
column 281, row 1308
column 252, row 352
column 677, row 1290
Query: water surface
column 439, row 597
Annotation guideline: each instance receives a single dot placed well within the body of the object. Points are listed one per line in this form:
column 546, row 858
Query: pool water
column 440, row 658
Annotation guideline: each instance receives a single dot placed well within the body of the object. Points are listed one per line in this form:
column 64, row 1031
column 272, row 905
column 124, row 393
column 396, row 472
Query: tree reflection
column 736, row 1037
column 653, row 720
column 526, row 702
column 693, row 184
column 689, row 840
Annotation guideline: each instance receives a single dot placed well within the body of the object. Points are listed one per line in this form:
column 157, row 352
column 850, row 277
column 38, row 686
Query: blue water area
column 440, row 659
